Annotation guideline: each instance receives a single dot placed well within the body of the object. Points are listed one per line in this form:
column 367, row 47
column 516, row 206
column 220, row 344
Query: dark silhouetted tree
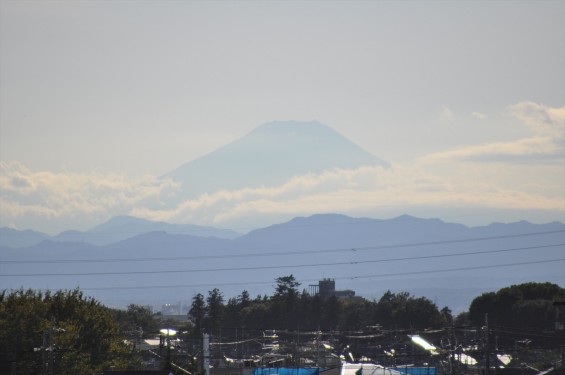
column 197, row 313
column 214, row 309
column 528, row 305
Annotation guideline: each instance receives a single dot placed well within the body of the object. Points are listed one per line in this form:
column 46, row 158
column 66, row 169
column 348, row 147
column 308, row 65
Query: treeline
column 65, row 332
column 529, row 306
column 290, row 309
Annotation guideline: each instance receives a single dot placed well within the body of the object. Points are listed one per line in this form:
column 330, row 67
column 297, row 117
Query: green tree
column 402, row 310
column 136, row 320
column 244, row 299
column 257, row 316
column 355, row 314
column 285, row 300
column 528, row 305
column 485, row 303
column 232, row 316
column 286, row 288
column 538, row 313
column 214, row 309
column 422, row 313
column 197, row 313
column 82, row 333
column 312, row 309
column 331, row 312
column 232, row 313
column 385, row 310
column 447, row 315
column 462, row 319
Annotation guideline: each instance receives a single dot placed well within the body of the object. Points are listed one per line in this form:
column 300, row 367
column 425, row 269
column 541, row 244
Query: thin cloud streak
column 546, row 144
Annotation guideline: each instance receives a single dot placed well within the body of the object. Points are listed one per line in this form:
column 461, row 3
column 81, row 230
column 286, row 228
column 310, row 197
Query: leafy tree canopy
column 528, row 305
column 64, row 332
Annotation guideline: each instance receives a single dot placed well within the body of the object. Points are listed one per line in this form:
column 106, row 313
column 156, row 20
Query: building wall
column 326, row 287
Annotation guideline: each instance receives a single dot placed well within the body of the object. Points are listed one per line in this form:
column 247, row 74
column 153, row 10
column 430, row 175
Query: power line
column 278, row 253
column 247, row 283
column 194, row 270
column 458, row 269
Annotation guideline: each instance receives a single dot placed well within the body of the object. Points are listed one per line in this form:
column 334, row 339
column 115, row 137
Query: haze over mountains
column 449, row 263
column 128, row 259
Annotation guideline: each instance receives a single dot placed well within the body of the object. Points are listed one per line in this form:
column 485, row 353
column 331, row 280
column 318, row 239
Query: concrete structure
column 326, row 289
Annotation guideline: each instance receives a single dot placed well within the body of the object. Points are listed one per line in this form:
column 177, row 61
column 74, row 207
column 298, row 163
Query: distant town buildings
column 171, row 309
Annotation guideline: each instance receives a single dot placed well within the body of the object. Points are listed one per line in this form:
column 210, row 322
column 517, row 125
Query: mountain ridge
column 116, row 229
column 367, row 255
column 118, row 225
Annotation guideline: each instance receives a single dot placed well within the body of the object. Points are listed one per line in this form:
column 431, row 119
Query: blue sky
column 466, row 100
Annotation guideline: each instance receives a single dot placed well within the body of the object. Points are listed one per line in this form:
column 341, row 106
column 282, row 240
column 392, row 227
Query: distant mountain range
column 131, row 260
column 116, row 229
column 270, row 155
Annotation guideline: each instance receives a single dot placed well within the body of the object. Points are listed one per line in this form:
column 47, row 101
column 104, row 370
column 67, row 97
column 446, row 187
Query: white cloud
column 445, row 113
column 437, row 180
column 541, row 119
column 80, row 196
column 64, row 195
column 479, row 115
column 355, row 191
column 527, row 149
column 546, row 144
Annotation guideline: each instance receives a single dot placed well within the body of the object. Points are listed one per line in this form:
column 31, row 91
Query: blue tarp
column 417, row 370
column 287, row 371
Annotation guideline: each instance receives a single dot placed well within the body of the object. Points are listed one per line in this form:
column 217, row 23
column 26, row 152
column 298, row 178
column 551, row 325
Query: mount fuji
column 270, row 155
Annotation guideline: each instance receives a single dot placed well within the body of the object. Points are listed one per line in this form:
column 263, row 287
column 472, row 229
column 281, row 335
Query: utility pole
column 496, row 365
column 44, row 353
column 487, row 348
column 51, row 347
column 453, row 347
column 206, row 353
column 318, row 337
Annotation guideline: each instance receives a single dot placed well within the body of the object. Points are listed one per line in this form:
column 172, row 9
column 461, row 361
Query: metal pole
column 51, row 347
column 487, row 349
column 206, row 351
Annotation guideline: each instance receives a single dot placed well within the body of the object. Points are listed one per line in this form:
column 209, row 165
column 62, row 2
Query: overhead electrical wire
column 247, row 255
column 246, row 268
column 247, row 283
column 278, row 253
